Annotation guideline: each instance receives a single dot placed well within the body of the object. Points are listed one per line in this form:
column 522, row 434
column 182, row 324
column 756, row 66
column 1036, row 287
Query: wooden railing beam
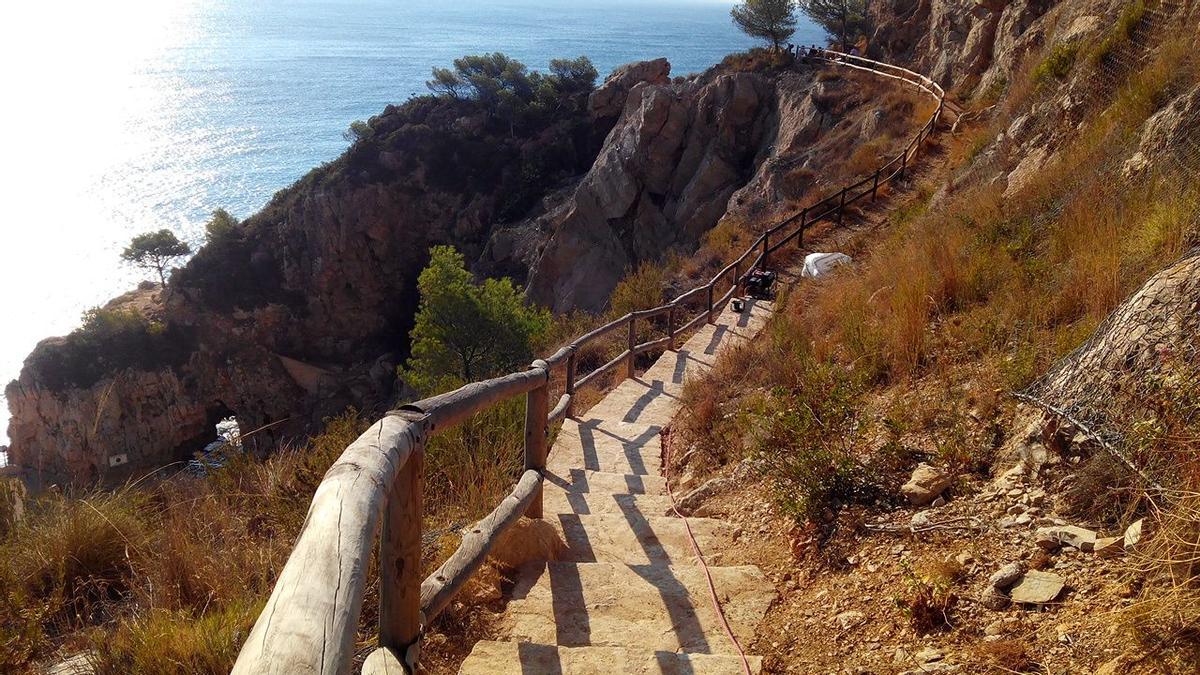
column 630, row 363
column 400, row 561
column 537, row 404
column 441, row 586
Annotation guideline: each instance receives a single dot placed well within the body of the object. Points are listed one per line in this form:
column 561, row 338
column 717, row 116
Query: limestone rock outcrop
column 663, row 178
column 609, row 98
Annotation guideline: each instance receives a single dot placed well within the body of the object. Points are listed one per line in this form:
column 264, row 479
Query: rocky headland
column 304, row 308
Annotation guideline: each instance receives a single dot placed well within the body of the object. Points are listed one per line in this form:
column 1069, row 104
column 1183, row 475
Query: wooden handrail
column 310, row 620
column 440, row 587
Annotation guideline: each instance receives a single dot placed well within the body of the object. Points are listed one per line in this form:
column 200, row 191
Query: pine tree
column 773, row 20
column 845, row 20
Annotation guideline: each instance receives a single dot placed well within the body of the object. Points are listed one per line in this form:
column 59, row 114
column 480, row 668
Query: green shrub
column 1121, row 33
column 1057, row 64
column 220, row 227
column 466, row 332
column 803, row 439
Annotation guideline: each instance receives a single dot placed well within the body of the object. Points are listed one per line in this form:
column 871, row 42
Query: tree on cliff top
column 221, row 226
column 773, row 20
column 845, row 20
column 155, row 251
column 464, row 331
column 508, row 91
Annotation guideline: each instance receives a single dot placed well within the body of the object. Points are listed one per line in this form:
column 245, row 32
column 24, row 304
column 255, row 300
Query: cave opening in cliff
column 224, row 436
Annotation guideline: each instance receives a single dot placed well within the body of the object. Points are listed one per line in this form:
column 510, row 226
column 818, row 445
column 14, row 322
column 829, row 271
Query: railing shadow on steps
column 375, row 487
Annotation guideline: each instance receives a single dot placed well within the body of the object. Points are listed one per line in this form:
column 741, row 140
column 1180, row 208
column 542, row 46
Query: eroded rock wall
column 663, row 179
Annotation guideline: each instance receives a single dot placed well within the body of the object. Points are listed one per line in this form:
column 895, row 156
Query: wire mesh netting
column 1134, row 386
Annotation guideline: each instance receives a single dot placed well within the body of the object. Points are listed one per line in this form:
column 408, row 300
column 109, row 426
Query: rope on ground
column 712, row 589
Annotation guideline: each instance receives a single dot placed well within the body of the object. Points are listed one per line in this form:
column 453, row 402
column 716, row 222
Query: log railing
column 375, row 487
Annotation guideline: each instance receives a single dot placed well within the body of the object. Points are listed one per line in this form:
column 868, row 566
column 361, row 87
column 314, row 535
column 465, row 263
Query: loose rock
column 1008, row 575
column 849, row 619
column 1036, row 588
column 1109, row 546
column 1133, row 534
column 1051, row 538
column 926, row 484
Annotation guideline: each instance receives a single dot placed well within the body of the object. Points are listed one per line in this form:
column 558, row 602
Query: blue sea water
column 133, row 115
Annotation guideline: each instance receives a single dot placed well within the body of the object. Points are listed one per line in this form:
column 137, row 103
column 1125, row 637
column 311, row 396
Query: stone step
column 661, row 608
column 653, row 397
column 634, row 538
column 583, row 480
column 523, row 658
column 639, row 401
column 615, row 447
column 556, row 501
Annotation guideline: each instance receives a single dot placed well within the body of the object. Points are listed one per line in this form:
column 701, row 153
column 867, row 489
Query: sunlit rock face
column 663, row 179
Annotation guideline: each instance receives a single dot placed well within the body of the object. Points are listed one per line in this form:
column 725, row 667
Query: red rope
column 712, row 589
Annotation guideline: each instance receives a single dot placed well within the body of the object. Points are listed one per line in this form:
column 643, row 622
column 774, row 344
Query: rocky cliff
column 304, row 309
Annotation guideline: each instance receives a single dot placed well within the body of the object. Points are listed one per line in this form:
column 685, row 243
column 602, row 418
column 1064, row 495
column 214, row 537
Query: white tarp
column 818, row 264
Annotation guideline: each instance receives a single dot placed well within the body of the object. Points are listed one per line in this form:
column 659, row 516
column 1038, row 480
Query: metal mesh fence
column 1134, row 386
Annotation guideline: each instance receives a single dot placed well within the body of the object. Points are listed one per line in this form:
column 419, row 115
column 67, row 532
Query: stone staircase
column 628, row 594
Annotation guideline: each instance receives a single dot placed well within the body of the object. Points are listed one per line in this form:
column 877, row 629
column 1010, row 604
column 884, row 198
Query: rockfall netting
column 1135, row 383
column 1134, row 386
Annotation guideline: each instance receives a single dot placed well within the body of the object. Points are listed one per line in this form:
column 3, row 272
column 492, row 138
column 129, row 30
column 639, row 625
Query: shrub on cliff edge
column 466, row 331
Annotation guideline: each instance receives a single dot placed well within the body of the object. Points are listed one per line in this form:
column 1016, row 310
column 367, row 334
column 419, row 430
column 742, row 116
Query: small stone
column 849, row 619
column 1036, row 588
column 925, row 485
column 1133, row 534
column 1015, row 509
column 964, row 559
column 994, row 600
column 1051, row 538
column 929, row 655
column 920, row 520
column 1007, row 576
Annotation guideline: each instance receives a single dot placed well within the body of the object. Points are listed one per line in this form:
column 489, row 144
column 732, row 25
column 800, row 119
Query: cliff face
column 663, row 178
column 298, row 313
column 305, row 308
column 963, row 43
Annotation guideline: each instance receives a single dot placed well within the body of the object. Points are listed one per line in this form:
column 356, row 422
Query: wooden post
column 903, row 162
column 711, row 285
column 537, row 407
column 400, row 561
column 766, row 254
column 803, row 224
column 630, row 370
column 671, row 328
column 841, row 207
column 570, row 387
column 875, row 185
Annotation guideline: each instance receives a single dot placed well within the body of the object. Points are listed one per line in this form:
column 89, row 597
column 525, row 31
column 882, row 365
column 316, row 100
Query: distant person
column 854, row 51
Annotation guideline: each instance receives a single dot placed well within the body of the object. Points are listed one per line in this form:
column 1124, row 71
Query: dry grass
column 930, row 597
column 1005, row 655
column 169, row 576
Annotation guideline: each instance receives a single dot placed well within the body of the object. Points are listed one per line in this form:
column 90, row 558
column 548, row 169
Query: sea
column 127, row 116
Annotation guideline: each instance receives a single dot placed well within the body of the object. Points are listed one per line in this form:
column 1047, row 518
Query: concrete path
column 628, row 595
